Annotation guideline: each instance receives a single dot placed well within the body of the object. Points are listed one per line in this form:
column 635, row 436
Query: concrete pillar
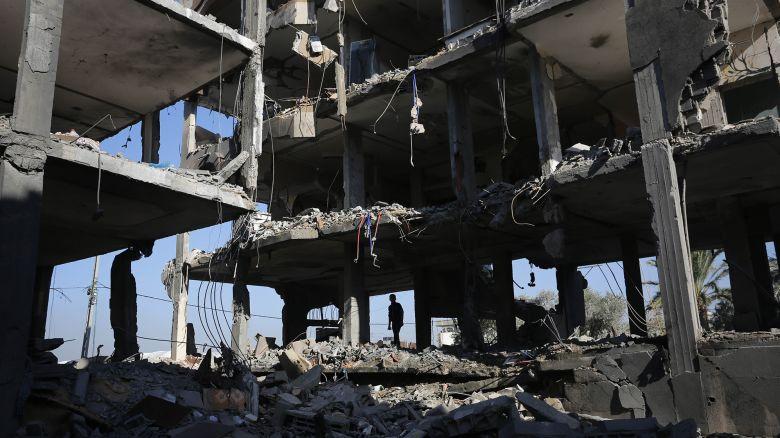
column 239, row 341
column 294, row 321
column 37, row 67
column 468, row 319
column 356, row 325
column 188, row 143
column 353, row 169
column 548, row 135
column 453, row 15
column 150, row 138
column 505, row 298
column 21, row 189
column 461, row 144
column 179, row 296
column 759, row 222
column 180, row 292
column 632, row 275
column 422, row 308
column 253, row 90
column 192, row 349
column 571, row 297
column 736, row 245
column 41, row 301
column 675, row 275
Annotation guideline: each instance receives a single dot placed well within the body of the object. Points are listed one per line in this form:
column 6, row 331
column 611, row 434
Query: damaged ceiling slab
column 124, row 59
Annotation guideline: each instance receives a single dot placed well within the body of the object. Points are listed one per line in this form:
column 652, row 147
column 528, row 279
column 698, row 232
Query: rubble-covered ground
column 311, row 389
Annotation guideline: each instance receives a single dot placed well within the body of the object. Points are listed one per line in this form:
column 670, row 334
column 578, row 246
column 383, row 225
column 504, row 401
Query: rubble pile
column 335, row 355
column 308, row 389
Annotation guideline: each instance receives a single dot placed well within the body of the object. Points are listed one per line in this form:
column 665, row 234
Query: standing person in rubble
column 395, row 319
column 122, row 305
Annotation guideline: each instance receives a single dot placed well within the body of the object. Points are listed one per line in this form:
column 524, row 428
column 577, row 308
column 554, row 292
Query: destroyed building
column 409, row 146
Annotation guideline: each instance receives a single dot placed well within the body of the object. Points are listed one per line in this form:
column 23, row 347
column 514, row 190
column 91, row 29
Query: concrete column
column 21, row 190
column 37, row 67
column 453, row 15
column 548, row 136
column 356, row 325
column 468, row 319
column 632, row 275
column 150, row 138
column 571, row 297
column 353, row 169
column 759, row 223
column 505, row 298
column 179, row 296
column 736, row 245
column 422, row 309
column 41, row 301
column 675, row 276
column 188, row 143
column 241, row 310
column 294, row 321
column 253, row 90
column 461, row 144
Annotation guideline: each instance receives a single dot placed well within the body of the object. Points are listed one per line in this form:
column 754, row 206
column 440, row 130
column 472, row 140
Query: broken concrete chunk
column 607, row 366
column 543, row 411
column 190, row 399
column 308, row 380
column 293, row 363
column 587, row 375
column 630, row 397
column 301, row 45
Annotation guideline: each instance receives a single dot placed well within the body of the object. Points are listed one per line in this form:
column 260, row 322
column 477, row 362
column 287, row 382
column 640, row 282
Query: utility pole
column 92, row 294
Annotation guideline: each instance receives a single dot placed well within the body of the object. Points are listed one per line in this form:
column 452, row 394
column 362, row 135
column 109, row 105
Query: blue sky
column 68, row 302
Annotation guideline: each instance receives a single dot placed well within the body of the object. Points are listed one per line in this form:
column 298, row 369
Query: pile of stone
column 308, row 389
column 337, row 356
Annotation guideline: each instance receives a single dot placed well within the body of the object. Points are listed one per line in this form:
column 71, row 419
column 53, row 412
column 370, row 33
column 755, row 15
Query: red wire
column 357, row 246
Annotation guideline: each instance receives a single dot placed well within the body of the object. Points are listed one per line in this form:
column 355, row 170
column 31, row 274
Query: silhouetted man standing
column 395, row 317
column 122, row 305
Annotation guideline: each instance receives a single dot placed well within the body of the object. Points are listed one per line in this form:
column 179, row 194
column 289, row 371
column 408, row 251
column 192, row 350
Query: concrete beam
column 21, row 190
column 675, row 276
column 37, row 68
column 505, row 298
column 422, row 308
column 239, row 339
column 461, row 144
column 43, row 276
column 253, row 89
column 736, row 245
column 548, row 136
column 150, row 138
column 571, row 297
column 632, row 275
column 353, row 170
column 356, row 325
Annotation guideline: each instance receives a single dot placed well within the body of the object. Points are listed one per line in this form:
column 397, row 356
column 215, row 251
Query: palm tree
column 706, row 276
